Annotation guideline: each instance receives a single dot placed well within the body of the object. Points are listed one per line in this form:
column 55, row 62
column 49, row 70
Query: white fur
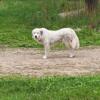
column 47, row 37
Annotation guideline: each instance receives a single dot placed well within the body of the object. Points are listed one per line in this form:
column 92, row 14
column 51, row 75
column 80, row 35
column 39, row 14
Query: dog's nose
column 36, row 37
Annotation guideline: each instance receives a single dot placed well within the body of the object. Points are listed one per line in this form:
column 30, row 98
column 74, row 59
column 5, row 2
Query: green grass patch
column 50, row 88
column 19, row 17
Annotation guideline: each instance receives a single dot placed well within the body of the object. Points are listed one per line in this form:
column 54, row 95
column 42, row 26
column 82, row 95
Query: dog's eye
column 34, row 32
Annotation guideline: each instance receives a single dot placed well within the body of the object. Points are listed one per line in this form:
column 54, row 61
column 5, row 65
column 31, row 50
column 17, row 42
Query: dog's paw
column 44, row 57
column 71, row 56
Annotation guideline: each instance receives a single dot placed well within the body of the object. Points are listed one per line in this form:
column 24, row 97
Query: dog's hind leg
column 68, row 45
column 72, row 45
column 65, row 42
column 72, row 53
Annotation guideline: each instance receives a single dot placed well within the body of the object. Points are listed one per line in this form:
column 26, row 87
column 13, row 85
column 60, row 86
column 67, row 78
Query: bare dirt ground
column 29, row 62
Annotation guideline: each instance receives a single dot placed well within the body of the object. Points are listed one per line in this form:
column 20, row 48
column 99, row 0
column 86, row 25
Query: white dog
column 47, row 37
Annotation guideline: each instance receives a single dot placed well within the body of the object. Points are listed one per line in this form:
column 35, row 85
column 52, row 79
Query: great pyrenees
column 48, row 37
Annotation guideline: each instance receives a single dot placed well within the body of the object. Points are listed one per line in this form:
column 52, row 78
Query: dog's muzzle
column 36, row 37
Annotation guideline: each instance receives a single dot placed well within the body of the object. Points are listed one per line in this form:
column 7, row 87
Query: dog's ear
column 41, row 32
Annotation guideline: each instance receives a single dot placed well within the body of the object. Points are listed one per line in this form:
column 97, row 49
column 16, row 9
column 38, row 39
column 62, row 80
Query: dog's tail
column 76, row 37
column 77, row 42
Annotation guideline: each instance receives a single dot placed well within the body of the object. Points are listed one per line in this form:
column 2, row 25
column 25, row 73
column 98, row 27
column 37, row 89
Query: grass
column 50, row 88
column 19, row 17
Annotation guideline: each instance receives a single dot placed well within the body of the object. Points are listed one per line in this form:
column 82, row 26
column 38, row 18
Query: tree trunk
column 91, row 7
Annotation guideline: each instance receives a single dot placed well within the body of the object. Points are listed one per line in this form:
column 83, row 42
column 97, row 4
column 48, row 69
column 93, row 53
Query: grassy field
column 19, row 17
column 50, row 88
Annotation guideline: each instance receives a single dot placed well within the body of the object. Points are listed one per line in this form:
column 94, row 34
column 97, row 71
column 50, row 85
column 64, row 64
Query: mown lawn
column 19, row 17
column 50, row 88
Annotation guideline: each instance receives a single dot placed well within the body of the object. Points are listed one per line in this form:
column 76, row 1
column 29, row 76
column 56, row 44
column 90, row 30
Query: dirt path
column 30, row 62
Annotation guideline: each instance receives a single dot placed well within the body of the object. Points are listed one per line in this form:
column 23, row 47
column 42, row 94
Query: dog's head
column 37, row 34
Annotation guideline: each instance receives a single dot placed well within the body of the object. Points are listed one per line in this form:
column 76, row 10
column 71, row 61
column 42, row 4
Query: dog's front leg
column 46, row 47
